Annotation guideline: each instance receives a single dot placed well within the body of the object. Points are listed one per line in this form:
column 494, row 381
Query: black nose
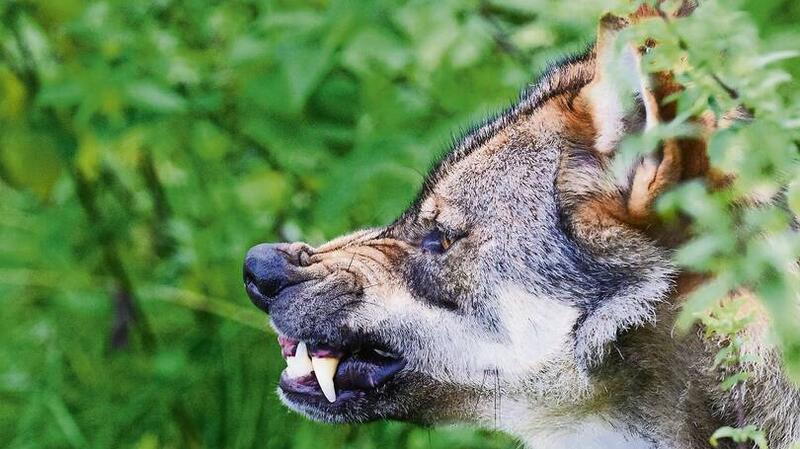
column 266, row 273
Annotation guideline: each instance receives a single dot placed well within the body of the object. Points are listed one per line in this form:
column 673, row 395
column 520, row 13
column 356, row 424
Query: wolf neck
column 565, row 409
column 613, row 408
column 593, row 432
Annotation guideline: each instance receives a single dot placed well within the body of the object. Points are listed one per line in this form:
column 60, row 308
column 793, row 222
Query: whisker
column 480, row 393
column 375, row 304
column 380, row 263
column 365, row 266
column 353, row 302
column 391, row 245
column 497, row 397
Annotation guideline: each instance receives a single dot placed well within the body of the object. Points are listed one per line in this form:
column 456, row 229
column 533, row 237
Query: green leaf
column 29, row 160
column 13, row 94
column 776, row 56
column 733, row 380
column 303, row 66
column 62, row 94
column 375, row 50
column 64, row 420
column 739, row 435
column 700, row 253
column 153, row 97
column 793, row 197
column 703, row 298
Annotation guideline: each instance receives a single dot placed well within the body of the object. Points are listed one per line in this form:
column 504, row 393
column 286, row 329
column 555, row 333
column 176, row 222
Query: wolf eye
column 436, row 242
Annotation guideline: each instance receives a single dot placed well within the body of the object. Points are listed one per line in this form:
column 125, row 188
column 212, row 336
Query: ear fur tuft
column 622, row 99
column 617, row 95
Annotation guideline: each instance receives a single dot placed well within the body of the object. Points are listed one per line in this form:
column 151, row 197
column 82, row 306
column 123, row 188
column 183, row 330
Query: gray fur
column 533, row 321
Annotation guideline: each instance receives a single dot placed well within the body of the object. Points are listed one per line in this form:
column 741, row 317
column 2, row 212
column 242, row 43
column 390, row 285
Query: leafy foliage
column 744, row 237
column 144, row 146
column 743, row 435
column 744, row 231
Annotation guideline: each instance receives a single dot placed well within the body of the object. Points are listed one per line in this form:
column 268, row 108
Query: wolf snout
column 266, row 272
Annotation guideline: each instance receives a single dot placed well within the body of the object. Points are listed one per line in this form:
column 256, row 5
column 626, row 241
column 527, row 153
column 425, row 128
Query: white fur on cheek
column 453, row 347
column 538, row 329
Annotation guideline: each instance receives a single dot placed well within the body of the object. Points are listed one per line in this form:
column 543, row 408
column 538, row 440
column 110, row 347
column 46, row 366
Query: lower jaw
column 409, row 397
column 309, row 392
column 352, row 405
column 343, row 398
column 355, row 378
column 349, row 407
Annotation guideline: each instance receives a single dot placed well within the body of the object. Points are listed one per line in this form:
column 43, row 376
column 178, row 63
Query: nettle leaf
column 266, row 191
column 432, row 27
column 89, row 155
column 248, row 49
column 518, row 6
column 701, row 253
column 793, row 197
column 62, row 94
column 210, row 142
column 153, row 97
column 297, row 148
column 732, row 381
column 724, row 356
column 304, row 66
column 30, row 160
column 473, row 42
column 297, row 20
column 702, row 299
column 739, row 435
column 532, row 36
column 338, row 98
column 791, row 358
column 13, row 95
column 375, row 50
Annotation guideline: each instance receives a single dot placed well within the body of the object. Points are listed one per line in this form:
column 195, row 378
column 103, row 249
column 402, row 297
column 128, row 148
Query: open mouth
column 316, row 370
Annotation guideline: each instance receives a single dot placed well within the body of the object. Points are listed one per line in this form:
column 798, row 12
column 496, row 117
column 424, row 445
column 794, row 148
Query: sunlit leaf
column 30, row 160
column 13, row 95
column 153, row 97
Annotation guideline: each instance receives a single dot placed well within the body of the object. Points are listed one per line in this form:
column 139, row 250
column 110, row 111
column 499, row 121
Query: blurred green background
column 145, row 145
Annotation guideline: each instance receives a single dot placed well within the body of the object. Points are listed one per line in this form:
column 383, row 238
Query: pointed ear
column 619, row 77
column 616, row 215
column 611, row 95
column 625, row 99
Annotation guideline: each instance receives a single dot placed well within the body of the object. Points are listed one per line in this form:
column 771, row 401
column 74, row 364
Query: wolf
column 529, row 287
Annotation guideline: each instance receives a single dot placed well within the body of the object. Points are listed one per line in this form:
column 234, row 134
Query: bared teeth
column 300, row 364
column 321, row 360
column 325, row 369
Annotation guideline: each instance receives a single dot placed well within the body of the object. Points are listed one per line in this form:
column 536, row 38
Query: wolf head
column 522, row 259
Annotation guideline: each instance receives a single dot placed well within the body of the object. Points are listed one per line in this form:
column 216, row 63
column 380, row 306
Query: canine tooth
column 325, row 369
column 300, row 364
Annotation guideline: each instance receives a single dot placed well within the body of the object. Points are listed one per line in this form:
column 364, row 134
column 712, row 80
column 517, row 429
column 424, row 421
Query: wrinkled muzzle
column 324, row 303
column 297, row 284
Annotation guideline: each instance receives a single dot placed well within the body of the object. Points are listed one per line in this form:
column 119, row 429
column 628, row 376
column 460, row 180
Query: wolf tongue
column 325, row 369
